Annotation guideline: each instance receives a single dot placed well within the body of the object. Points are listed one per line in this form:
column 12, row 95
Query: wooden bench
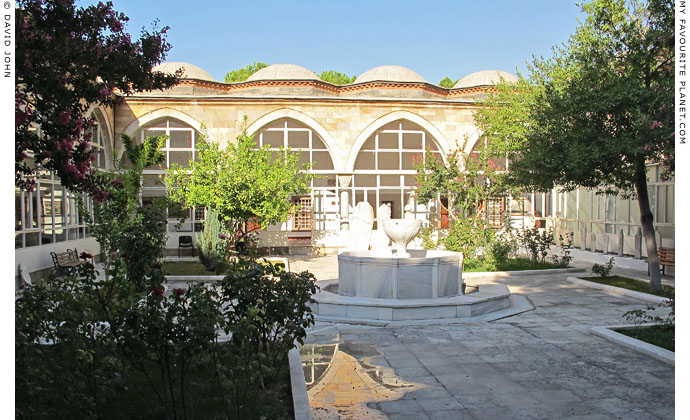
column 667, row 257
column 66, row 262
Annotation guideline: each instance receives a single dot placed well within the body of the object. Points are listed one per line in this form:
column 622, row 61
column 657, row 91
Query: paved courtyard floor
column 541, row 364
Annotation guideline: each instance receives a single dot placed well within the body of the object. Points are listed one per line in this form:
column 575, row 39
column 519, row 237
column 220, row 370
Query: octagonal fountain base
column 482, row 300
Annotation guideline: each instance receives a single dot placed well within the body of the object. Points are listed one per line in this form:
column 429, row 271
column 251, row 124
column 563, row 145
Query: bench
column 667, row 257
column 66, row 262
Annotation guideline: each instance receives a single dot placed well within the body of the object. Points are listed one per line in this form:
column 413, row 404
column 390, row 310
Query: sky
column 434, row 38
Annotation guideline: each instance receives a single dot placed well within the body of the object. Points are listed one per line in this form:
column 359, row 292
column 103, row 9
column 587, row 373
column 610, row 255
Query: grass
column 630, row 284
column 186, row 268
column 514, row 264
column 658, row 335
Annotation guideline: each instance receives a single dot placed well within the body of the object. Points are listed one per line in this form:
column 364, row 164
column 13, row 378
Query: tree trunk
column 647, row 222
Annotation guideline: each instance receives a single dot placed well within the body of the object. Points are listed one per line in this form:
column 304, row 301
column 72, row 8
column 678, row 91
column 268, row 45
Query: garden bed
column 630, row 284
column 473, row 265
column 135, row 399
column 623, row 335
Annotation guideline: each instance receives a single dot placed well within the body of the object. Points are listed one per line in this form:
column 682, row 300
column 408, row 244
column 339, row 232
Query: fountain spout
column 401, row 232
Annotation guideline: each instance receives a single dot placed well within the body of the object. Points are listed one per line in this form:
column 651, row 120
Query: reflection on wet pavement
column 343, row 378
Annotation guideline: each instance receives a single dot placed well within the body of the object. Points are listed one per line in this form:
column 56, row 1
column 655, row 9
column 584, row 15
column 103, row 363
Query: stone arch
column 158, row 114
column 97, row 113
column 309, row 122
column 394, row 116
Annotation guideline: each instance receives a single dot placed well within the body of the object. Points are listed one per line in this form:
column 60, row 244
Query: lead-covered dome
column 283, row 72
column 190, row 71
column 484, row 78
column 389, row 74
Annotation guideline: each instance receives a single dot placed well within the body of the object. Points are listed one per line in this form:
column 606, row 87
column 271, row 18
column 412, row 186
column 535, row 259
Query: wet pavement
column 541, row 364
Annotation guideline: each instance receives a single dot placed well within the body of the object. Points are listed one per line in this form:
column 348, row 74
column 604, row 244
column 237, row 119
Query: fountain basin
column 381, row 274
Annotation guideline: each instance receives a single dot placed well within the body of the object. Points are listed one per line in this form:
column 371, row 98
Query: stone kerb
column 607, row 333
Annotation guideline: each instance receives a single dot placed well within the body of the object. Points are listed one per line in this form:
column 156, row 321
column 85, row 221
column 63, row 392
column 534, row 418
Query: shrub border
column 619, row 291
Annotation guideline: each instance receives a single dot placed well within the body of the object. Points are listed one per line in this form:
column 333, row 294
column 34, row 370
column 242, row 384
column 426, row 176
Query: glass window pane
column 392, row 198
column 160, row 124
column 365, row 180
column 153, row 180
column 388, row 141
column 177, row 124
column 369, row 144
column 322, row 160
column 303, row 159
column 150, row 132
column 409, row 125
column 317, row 143
column 293, row 124
column 181, row 158
column 412, row 141
column 431, row 144
column 365, row 160
column 661, row 218
column 389, row 161
column 408, row 159
column 273, row 139
column 390, row 180
column 395, row 125
column 410, row 180
column 669, row 203
column 32, row 239
column 181, row 139
column 298, row 139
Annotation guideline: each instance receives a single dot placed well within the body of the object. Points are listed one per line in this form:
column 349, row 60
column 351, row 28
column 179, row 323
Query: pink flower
column 64, row 117
column 222, row 236
column 656, row 124
column 647, row 147
column 104, row 92
column 117, row 183
column 179, row 292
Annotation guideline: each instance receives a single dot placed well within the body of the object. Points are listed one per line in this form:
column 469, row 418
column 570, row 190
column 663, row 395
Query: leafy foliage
column 68, row 59
column 604, row 270
column 536, row 242
column 240, row 75
column 447, row 83
column 241, row 183
column 336, row 78
column 131, row 235
column 605, row 96
column 213, row 243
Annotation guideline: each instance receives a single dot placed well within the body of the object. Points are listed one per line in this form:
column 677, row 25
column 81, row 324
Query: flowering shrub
column 214, row 249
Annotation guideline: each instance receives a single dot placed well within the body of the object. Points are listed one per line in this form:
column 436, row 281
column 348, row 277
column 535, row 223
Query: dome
column 484, row 78
column 390, row 74
column 190, row 71
column 283, row 72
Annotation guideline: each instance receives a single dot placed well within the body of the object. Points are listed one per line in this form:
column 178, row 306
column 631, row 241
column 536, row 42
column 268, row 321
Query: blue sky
column 433, row 38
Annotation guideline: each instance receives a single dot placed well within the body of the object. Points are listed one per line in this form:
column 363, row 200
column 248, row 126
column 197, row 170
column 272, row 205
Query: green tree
column 447, row 83
column 240, row 75
column 337, row 78
column 598, row 111
column 69, row 58
column 242, row 183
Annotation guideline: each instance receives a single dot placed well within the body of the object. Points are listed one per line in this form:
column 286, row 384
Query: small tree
column 240, row 75
column 336, row 78
column 597, row 112
column 68, row 59
column 242, row 183
column 447, row 83
column 213, row 243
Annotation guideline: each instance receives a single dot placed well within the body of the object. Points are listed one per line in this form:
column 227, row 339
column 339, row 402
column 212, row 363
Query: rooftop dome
column 283, row 72
column 484, row 78
column 190, row 71
column 390, row 74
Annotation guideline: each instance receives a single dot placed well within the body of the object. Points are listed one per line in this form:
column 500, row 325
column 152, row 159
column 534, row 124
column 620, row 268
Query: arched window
column 384, row 167
column 319, row 210
column 99, row 143
column 179, row 148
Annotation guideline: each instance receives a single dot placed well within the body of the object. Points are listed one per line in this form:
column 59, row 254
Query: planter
column 651, row 350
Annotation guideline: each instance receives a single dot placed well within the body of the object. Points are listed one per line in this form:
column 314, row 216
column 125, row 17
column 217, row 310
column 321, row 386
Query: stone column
column 344, row 182
column 638, row 244
column 621, row 243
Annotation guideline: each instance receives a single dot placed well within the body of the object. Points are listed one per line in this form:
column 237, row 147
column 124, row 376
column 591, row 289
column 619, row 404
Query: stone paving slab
column 541, row 364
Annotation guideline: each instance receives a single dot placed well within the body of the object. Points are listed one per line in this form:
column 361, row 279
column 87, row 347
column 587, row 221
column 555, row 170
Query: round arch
column 309, row 122
column 394, row 116
column 157, row 114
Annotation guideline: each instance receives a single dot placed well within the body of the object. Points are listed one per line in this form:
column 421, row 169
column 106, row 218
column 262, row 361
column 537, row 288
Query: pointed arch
column 309, row 122
column 394, row 116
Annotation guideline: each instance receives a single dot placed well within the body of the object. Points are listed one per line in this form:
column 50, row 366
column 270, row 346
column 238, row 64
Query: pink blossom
column 104, row 92
column 647, row 147
column 656, row 124
column 64, row 117
column 178, row 292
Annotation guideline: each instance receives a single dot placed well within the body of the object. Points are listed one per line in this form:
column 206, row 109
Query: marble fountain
column 395, row 283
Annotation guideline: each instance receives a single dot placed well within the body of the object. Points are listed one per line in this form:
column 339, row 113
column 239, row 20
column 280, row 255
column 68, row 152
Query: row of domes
column 381, row 73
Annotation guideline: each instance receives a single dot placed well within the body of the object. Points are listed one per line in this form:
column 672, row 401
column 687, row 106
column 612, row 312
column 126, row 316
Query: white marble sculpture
column 384, row 212
column 401, row 232
column 361, row 224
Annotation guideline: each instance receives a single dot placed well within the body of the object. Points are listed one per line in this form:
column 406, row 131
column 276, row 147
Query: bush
column 566, row 247
column 108, row 343
column 469, row 236
column 536, row 243
column 214, row 250
column 604, row 270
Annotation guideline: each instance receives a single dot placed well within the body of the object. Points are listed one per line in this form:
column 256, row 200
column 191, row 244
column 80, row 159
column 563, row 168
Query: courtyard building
column 361, row 139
